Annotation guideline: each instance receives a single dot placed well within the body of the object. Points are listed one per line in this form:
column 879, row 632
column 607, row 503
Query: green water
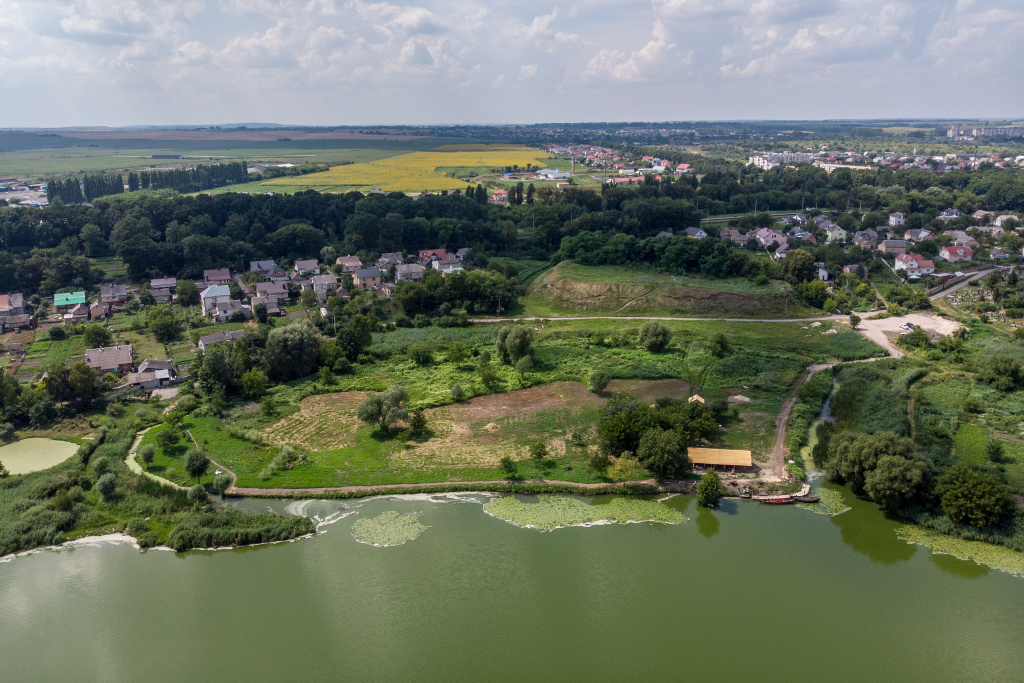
column 748, row 592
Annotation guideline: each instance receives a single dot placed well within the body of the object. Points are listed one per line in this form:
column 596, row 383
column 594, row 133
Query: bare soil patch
column 883, row 331
column 648, row 390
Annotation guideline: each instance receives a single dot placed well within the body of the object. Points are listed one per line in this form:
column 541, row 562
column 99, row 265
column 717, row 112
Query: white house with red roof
column 915, row 265
column 956, row 254
column 683, row 168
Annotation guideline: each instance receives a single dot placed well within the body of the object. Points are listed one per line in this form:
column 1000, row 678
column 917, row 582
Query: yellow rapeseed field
column 417, row 171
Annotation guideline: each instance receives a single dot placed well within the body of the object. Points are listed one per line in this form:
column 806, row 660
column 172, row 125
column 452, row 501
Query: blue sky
column 122, row 62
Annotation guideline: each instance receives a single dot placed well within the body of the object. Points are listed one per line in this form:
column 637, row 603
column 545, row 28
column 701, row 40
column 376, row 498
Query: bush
column 197, row 495
column 710, row 489
column 196, row 464
column 508, row 466
column 654, row 336
column 457, row 392
column 222, row 482
column 626, row 468
column 598, row 381
column 420, row 354
column 146, row 453
column 106, row 485
column 524, row 365
column 538, row 450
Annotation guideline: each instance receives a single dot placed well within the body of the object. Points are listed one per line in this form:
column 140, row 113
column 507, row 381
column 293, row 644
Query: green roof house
column 67, row 299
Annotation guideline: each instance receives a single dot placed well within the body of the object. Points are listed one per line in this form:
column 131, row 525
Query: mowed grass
column 414, row 171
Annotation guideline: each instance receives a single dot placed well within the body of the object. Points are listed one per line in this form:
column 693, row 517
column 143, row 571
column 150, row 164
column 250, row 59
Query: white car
column 904, row 326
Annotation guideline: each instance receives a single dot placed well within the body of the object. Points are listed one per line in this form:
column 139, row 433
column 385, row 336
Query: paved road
column 947, row 292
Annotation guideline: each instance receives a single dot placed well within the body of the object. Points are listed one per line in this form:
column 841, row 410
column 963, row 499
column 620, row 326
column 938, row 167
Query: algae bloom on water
column 832, row 503
column 388, row 529
column 554, row 512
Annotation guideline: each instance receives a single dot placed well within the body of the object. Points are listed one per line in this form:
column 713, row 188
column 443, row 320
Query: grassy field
column 414, row 171
column 571, row 289
column 970, row 443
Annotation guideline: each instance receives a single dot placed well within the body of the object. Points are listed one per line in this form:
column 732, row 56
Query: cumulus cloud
column 353, row 61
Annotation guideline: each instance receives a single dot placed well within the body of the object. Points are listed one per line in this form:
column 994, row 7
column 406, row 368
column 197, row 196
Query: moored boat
column 778, row 501
column 807, row 499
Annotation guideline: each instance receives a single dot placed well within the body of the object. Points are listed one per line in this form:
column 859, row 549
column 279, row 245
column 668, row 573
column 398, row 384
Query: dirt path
column 278, row 493
column 778, row 460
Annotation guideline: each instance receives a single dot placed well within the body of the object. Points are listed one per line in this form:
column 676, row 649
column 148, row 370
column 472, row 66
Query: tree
column 147, row 453
column 168, row 438
column 196, row 463
column 598, row 381
column 197, row 494
column 215, row 374
column 710, row 489
column 187, row 293
column 663, row 453
column 292, row 351
column 254, row 383
column 385, row 408
column 420, row 354
column 163, row 323
column 718, row 345
column 418, row 423
column 106, row 485
column 854, row 320
column 852, row 455
column 538, row 450
column 654, row 336
column 895, row 481
column 221, row 483
column 513, row 342
column 82, row 380
column 524, row 365
column 260, row 311
column 1003, row 373
column 3, row 471
column 972, row 497
column 994, row 450
column 798, row 264
column 508, row 466
column 96, row 336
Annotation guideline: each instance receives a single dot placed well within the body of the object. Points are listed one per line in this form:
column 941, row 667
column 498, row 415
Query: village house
column 956, row 254
column 223, row 311
column 217, row 276
column 463, row 254
column 427, row 256
column 409, row 272
column 890, row 247
column 865, row 239
column 117, row 359
column 823, row 273
column 983, row 217
column 695, row 233
column 1004, row 218
column 99, row 311
column 213, row 295
column 151, row 364
column 997, row 253
column 270, row 302
column 153, row 374
column 781, row 250
column 914, row 264
column 170, row 283
column 948, row 215
column 962, row 239
column 63, row 301
column 307, row 267
column 349, row 264
column 115, row 295
column 448, row 265
column 78, row 313
column 268, row 270
column 835, row 234
column 366, row 278
column 324, row 283
column 392, row 258
column 857, row 269
column 208, row 340
column 664, row 234
column 12, row 304
column 161, row 296
column 264, row 289
column 499, row 196
column 917, row 234
column 897, row 219
column 993, row 231
column 767, row 236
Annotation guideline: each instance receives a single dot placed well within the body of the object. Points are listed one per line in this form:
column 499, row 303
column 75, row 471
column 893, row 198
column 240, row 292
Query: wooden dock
column 804, row 490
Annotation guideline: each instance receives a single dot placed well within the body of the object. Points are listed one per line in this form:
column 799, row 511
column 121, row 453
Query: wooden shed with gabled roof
column 720, row 457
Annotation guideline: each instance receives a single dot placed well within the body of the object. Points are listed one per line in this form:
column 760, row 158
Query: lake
column 749, row 591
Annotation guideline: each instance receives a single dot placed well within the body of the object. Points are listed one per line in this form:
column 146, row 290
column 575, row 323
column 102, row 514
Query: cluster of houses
column 152, row 373
column 834, row 160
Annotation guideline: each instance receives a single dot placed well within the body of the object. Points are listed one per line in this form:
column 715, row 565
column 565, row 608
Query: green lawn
column 970, row 443
column 144, row 344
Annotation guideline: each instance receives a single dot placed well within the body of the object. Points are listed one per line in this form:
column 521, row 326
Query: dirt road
column 881, row 331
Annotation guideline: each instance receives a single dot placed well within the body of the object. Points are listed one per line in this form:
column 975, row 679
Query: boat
column 746, row 494
column 807, row 499
column 778, row 501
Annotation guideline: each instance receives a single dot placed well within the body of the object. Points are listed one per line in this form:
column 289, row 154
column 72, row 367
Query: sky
column 336, row 62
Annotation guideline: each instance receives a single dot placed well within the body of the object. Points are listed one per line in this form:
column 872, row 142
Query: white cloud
column 614, row 64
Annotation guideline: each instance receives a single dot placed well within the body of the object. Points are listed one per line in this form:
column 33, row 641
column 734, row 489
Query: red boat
column 778, row 501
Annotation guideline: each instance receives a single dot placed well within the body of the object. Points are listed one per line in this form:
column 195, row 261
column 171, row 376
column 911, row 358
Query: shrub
column 654, row 336
column 599, row 461
column 146, row 453
column 418, row 422
column 457, row 393
column 710, row 489
column 972, row 497
column 420, row 354
column 598, row 381
column 538, row 450
column 222, row 482
column 106, row 485
column 196, row 464
column 524, row 365
column 626, row 468
column 508, row 466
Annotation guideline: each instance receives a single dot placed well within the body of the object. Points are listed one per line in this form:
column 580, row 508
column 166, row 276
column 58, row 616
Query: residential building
column 962, row 239
column 268, row 270
column 426, row 256
column 993, row 231
column 665, row 234
column 914, row 264
column 217, row 276
column 117, row 359
column 1000, row 220
column 393, row 258
column 893, row 247
column 767, row 236
column 223, row 311
column 366, row 278
column 350, row 264
column 65, row 300
column 12, row 304
column 447, row 266
column 948, row 215
column 499, row 196
column 170, row 283
column 696, row 233
column 99, row 311
column 206, row 341
column 278, row 289
column 917, row 234
column 270, row 302
column 835, row 234
column 463, row 254
column 161, row 296
column 823, row 273
column 997, row 253
column 115, row 295
column 151, row 379
column 324, row 283
column 983, row 217
column 897, row 219
column 956, row 254
column 213, row 295
column 307, row 267
column 78, row 313
column 409, row 272
column 781, row 251
column 857, row 269
column 151, row 364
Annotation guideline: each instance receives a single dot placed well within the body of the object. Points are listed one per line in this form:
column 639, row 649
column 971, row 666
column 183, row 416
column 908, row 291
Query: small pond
column 32, row 455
